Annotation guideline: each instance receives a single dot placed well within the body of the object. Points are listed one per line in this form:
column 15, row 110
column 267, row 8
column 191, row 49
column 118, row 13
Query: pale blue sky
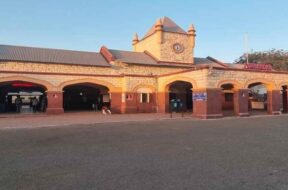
column 87, row 25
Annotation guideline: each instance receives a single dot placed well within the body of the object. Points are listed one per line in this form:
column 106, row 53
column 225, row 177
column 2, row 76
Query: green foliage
column 277, row 58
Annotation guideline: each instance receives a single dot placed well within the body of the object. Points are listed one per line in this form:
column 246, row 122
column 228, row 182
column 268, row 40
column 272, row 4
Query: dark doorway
column 181, row 91
column 85, row 97
column 15, row 92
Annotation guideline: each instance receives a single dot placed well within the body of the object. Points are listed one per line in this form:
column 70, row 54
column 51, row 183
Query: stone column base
column 243, row 114
column 275, row 113
column 208, row 116
column 54, row 111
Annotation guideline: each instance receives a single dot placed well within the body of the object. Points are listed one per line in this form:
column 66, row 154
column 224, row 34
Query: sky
column 86, row 25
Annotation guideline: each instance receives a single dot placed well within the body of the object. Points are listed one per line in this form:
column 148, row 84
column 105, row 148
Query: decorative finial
column 135, row 37
column 191, row 27
column 191, row 30
column 158, row 24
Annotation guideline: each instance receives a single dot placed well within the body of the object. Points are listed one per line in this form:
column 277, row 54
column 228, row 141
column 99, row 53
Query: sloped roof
column 200, row 60
column 168, row 26
column 44, row 55
column 132, row 57
column 206, row 61
column 141, row 58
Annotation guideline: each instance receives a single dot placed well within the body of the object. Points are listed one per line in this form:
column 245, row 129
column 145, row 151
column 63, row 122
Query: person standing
column 18, row 103
column 43, row 103
column 35, row 104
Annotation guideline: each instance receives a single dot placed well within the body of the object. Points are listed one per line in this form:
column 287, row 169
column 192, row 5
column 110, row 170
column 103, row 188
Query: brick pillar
column 116, row 104
column 211, row 106
column 163, row 102
column 285, row 102
column 55, row 102
column 241, row 101
column 130, row 104
column 273, row 102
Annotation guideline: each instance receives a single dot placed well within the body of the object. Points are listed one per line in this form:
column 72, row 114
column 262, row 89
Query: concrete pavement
column 182, row 154
column 44, row 120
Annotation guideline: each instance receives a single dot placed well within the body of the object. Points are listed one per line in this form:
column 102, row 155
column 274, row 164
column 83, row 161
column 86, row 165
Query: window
column 228, row 97
column 144, row 98
column 129, row 97
column 144, row 95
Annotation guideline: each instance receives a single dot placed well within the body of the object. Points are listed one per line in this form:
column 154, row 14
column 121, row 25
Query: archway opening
column 284, row 99
column 180, row 92
column 22, row 97
column 85, row 97
column 257, row 98
column 227, row 99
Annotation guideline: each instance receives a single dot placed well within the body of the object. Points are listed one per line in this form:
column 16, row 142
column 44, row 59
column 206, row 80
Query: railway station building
column 159, row 72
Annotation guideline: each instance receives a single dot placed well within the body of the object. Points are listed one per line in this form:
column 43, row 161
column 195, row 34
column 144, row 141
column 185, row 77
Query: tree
column 277, row 58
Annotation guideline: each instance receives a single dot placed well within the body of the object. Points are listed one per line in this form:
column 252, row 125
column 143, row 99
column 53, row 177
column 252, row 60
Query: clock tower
column 167, row 42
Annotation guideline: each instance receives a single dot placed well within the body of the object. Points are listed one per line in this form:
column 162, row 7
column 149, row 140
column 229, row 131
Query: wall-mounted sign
column 254, row 66
column 16, row 84
column 106, row 98
column 199, row 96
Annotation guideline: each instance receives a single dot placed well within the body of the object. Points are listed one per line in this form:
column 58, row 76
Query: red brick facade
column 55, row 102
column 210, row 108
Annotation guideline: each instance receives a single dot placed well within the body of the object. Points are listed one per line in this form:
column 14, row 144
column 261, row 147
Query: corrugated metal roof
column 44, row 55
column 168, row 26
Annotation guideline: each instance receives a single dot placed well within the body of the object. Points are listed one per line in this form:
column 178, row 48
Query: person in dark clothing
column 18, row 103
column 43, row 104
column 35, row 104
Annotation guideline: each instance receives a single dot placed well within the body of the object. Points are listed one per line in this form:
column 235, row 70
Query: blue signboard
column 200, row 96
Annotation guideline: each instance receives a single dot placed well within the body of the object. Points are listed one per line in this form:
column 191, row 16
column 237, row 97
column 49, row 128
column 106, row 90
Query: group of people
column 34, row 104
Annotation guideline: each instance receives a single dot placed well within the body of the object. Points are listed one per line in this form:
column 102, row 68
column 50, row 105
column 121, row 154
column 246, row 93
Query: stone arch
column 268, row 84
column 110, row 86
column 282, row 83
column 236, row 85
column 183, row 79
column 152, row 88
column 43, row 83
column 182, row 93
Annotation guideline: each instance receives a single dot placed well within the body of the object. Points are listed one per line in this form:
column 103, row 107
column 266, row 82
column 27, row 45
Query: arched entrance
column 227, row 99
column 181, row 91
column 258, row 98
column 85, row 97
column 22, row 97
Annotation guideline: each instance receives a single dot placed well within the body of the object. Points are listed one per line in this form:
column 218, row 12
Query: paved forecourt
column 44, row 120
column 242, row 153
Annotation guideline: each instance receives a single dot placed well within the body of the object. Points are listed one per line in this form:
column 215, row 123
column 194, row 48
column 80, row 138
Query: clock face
column 178, row 48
